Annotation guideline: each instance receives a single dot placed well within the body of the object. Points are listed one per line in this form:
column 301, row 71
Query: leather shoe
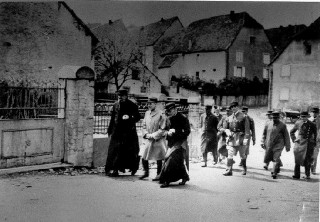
column 295, row 177
column 113, row 174
column 166, row 184
column 265, row 167
column 143, row 176
column 228, row 173
column 183, row 182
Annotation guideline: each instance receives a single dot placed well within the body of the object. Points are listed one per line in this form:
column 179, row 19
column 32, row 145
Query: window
column 284, row 94
column 239, row 71
column 307, row 47
column 252, row 40
column 265, row 73
column 285, row 70
column 143, row 89
column 266, row 58
column 197, row 75
column 135, row 74
column 239, row 56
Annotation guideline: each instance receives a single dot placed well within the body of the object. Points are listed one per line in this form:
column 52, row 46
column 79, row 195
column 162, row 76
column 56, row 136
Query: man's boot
column 275, row 170
column 296, row 174
column 145, row 165
column 204, row 160
column 229, row 168
column 307, row 170
column 159, row 168
column 244, row 165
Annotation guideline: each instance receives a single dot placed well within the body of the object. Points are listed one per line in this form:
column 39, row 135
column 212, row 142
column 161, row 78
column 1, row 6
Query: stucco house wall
column 252, row 53
column 38, row 39
column 301, row 88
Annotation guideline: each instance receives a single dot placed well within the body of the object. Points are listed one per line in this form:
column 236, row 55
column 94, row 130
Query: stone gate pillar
column 79, row 116
column 194, row 118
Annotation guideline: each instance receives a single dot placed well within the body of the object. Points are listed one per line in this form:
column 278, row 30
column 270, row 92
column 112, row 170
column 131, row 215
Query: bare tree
column 115, row 56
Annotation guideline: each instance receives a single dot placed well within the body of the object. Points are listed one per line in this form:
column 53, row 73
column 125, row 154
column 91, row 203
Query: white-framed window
column 285, row 70
column 284, row 94
column 265, row 74
column 266, row 58
column 239, row 56
column 143, row 89
column 239, row 71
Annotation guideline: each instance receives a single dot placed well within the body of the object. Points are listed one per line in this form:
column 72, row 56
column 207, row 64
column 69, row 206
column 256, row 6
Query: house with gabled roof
column 295, row 81
column 41, row 39
column 281, row 36
column 232, row 45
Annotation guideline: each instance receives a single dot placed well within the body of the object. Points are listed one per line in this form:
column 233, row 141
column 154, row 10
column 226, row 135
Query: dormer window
column 252, row 40
column 307, row 47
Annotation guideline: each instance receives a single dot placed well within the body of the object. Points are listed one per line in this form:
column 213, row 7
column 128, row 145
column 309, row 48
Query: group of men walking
column 164, row 141
column 165, row 134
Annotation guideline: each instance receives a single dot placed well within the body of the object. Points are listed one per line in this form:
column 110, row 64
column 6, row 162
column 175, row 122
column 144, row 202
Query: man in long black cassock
column 124, row 144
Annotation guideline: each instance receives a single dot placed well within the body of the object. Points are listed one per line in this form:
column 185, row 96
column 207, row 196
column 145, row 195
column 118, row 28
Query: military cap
column 233, row 104
column 208, row 106
column 170, row 106
column 122, row 92
column 269, row 112
column 245, row 108
column 304, row 114
column 314, row 110
column 275, row 114
column 152, row 100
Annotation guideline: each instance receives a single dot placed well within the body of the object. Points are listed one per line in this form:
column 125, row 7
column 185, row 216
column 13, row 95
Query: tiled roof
column 310, row 33
column 149, row 34
column 215, row 33
column 168, row 61
column 109, row 29
column 280, row 37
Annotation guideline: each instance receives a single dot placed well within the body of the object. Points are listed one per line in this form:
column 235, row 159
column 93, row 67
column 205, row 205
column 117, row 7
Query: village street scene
column 159, row 111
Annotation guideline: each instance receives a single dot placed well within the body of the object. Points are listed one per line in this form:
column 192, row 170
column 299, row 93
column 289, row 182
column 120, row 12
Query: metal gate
column 31, row 126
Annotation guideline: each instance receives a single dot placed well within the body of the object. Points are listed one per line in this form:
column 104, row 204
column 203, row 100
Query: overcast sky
column 269, row 14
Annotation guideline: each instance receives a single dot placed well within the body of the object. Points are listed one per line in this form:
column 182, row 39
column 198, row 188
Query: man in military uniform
column 234, row 127
column 249, row 131
column 303, row 144
column 222, row 136
column 315, row 118
column 274, row 138
column 209, row 141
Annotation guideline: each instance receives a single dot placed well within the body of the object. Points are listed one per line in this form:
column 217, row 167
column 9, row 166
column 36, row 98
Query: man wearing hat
column 269, row 118
column 177, row 133
column 154, row 144
column 209, row 141
column 304, row 144
column 315, row 118
column 234, row 127
column 124, row 145
column 222, row 136
column 274, row 138
column 249, row 131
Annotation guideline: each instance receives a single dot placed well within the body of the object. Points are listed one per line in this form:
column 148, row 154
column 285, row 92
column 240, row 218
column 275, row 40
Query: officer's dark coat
column 124, row 144
column 275, row 137
column 305, row 142
column 209, row 140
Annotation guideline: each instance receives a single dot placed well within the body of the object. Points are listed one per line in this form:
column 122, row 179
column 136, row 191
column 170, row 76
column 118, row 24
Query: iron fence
column 102, row 115
column 31, row 102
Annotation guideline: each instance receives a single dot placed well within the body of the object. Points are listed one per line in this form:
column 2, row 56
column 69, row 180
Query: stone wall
column 38, row 39
column 79, row 122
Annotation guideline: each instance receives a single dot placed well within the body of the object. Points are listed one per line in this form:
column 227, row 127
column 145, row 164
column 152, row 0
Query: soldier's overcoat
column 305, row 142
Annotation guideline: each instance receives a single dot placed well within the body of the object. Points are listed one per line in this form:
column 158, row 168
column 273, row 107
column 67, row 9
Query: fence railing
column 102, row 115
column 31, row 102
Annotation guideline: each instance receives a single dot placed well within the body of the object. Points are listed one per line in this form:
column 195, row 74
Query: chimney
column 232, row 15
column 110, row 22
column 162, row 20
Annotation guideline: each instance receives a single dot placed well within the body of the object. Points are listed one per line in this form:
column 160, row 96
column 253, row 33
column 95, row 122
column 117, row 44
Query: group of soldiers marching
column 165, row 133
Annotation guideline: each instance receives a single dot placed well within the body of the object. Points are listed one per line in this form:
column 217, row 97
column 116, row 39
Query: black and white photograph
column 141, row 111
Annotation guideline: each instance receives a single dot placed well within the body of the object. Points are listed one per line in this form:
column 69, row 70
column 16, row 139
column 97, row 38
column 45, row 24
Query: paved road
column 208, row 196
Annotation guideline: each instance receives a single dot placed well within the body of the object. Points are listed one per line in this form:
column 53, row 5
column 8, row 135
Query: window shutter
column 243, row 71
column 235, row 71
